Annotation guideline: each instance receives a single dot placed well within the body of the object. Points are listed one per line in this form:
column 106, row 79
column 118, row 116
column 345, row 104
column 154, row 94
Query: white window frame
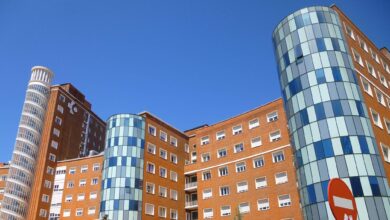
column 383, row 80
column 379, row 122
column 163, row 136
column 369, row 90
column 281, row 180
column 223, row 171
column 173, row 158
column 373, row 73
column 147, row 167
column 240, row 145
column 148, row 207
column 387, row 124
column 221, row 150
column 256, row 142
column 257, row 182
column 220, row 135
column 357, row 57
column 173, row 141
column 204, row 140
column 163, row 191
column 284, row 202
column 226, row 210
column 173, row 176
column 208, row 194
column 264, row 207
column 247, row 207
column 224, row 190
column 240, row 167
column 150, row 188
column 275, row 136
column 244, row 188
column 237, row 129
column 206, row 157
column 275, row 160
column 210, row 213
column 173, row 194
column 256, row 159
column 386, row 155
column 162, row 155
column 380, row 97
column 162, row 212
column 165, row 174
column 54, row 144
column 151, row 148
column 206, row 172
column 272, row 116
column 154, row 133
column 254, row 123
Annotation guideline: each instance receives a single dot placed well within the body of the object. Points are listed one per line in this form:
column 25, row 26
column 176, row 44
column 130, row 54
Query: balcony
column 191, row 204
column 191, row 186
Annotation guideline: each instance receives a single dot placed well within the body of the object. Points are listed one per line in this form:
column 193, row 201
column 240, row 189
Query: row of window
column 79, row 212
column 378, row 121
column 82, row 182
column 81, row 197
column 220, row 135
column 162, row 191
column 151, row 148
column 152, row 130
column 163, row 172
column 241, row 166
column 380, row 97
column 162, row 211
column 262, row 205
column 386, row 152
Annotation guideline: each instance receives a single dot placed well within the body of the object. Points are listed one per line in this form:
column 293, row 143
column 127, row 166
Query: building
column 242, row 166
column 57, row 123
column 4, row 168
column 328, row 116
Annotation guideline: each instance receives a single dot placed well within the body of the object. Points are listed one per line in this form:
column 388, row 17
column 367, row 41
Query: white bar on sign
column 342, row 203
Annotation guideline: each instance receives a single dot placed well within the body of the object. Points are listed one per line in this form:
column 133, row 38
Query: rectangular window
column 150, row 188
column 45, row 198
column 237, row 129
column 225, row 210
column 58, row 120
column 240, row 167
column 62, row 98
column 363, row 45
column 242, row 187
column 163, row 154
column 205, row 157
column 173, row 194
column 374, row 56
column 274, row 136
column 376, row 118
column 42, row 213
column 66, row 213
column 272, row 116
column 206, row 175
column 162, row 212
column 383, row 80
column 151, row 148
column 54, row 144
column 84, row 169
column 263, row 204
column 244, row 207
column 72, row 170
column 162, row 191
column 149, row 209
column 220, row 135
column 261, row 182
column 349, row 31
column 186, row 148
column 207, row 193
column 278, row 157
column 96, row 167
column 60, row 109
column 254, row 123
column 371, row 69
column 94, row 181
column 284, row 200
column 173, row 141
column 91, row 210
column 258, row 162
column 357, row 57
column 174, row 214
column 281, row 178
column 208, row 213
column 223, row 171
column 256, row 142
column 52, row 157
column 79, row 212
column 204, row 140
column 68, row 198
column 163, row 136
column 83, row 183
column 238, row 148
column 222, row 153
column 56, row 132
column 80, row 197
column 173, row 176
column 224, row 191
column 152, row 130
column 70, row 184
column 366, row 86
column 173, row 158
column 47, row 185
column 386, row 152
column 387, row 124
column 50, row 170
column 163, row 172
column 380, row 97
column 92, row 195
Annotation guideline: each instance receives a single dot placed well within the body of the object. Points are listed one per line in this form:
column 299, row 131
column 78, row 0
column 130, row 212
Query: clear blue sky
column 188, row 62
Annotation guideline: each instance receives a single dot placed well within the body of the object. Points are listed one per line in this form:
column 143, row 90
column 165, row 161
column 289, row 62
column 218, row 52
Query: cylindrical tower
column 328, row 120
column 122, row 176
column 22, row 167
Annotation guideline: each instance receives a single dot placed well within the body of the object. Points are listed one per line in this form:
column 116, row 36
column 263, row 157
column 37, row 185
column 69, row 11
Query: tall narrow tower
column 28, row 138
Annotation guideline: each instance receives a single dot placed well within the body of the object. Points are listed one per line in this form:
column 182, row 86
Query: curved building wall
column 328, row 120
column 21, row 173
column 121, row 195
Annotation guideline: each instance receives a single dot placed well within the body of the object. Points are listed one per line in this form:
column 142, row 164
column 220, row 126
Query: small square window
column 371, row 69
column 92, row 195
column 80, row 197
column 208, row 213
column 52, row 157
column 254, row 123
column 238, row 148
column 263, row 204
column 173, row 141
column 174, row 214
column 173, row 176
column 204, row 140
column 58, row 120
column 205, row 157
column 224, row 191
column 261, row 182
column 366, row 86
column 162, row 212
column 152, row 130
column 72, row 170
column 149, row 209
column 150, row 188
column 386, row 152
column 256, row 142
column 357, row 57
column 376, row 118
column 223, row 171
column 284, row 200
column 54, row 144
column 274, row 136
column 242, row 187
column 380, row 97
column 272, row 116
column 163, row 172
column 174, row 158
column 206, row 175
column 222, row 153
column 278, row 157
column 207, row 193
column 60, row 109
column 163, row 136
column 56, row 132
column 237, row 129
column 225, row 210
column 281, row 178
column 387, row 124
column 240, row 167
column 174, row 195
column 151, row 148
column 258, row 162
column 84, row 169
column 163, row 154
column 220, row 135
column 383, row 80
column 244, row 207
column 162, row 191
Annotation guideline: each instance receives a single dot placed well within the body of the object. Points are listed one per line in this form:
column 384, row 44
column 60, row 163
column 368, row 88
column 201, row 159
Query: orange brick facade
column 3, row 178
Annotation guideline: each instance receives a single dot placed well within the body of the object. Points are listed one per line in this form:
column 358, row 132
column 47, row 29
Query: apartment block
column 4, row 168
column 242, row 166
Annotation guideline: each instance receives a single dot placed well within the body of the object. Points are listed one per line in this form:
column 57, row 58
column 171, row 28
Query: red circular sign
column 341, row 200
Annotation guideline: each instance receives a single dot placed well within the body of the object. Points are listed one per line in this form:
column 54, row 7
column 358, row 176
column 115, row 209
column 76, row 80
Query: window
column 163, row 136
column 237, row 129
column 371, row 69
column 163, row 154
column 162, row 212
column 186, row 148
column 173, row 194
column 149, row 209
column 66, row 213
column 79, row 212
column 383, row 80
column 173, row 176
column 258, row 162
column 173, row 141
column 207, row 193
column 80, row 197
column 70, row 184
column 254, row 123
column 374, row 56
column 255, row 142
column 244, row 207
column 91, row 210
column 72, row 170
column 238, row 148
column 349, row 31
column 3, row 178
column 45, row 198
column 56, row 132
column 54, row 144
column 357, row 57
column 48, row 185
column 387, row 123
column 220, row 135
column 240, row 167
column 223, row 171
column 261, row 182
column 84, row 169
column 162, row 191
column 50, row 170
column 173, row 158
column 380, row 97
column 274, row 136
column 204, row 140
column 224, row 191
column 205, row 157
column 376, row 118
column 92, row 195
column 174, row 214
column 96, row 167
column 225, row 210
column 42, row 213
column 151, row 148
column 152, row 130
column 208, row 213
column 83, row 182
column 366, row 86
column 60, row 108
column 94, row 181
column 206, row 175
column 62, row 98
column 163, row 172
column 386, row 152
column 284, row 200
column 386, row 67
column 363, row 45
column 58, row 120
column 68, row 198
column 242, row 187
column 52, row 157
column 263, row 204
column 272, row 116
column 281, row 178
column 150, row 188
column 222, row 153
column 278, row 157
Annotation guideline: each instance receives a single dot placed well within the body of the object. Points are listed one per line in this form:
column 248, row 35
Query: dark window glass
column 374, row 186
column 320, row 154
column 112, row 161
column 346, row 145
column 336, row 74
column 324, row 186
column 363, row 145
column 116, row 204
column 306, row 19
column 116, row 141
column 304, row 117
column 298, row 53
column 360, row 109
column 320, row 112
column 124, row 159
column 286, row 59
column 320, row 44
column 299, row 21
column 337, row 108
column 312, row 194
column 126, row 122
column 132, row 141
column 321, row 17
column 298, row 156
column 295, row 86
column 335, row 44
column 328, row 149
column 356, row 186
column 320, row 76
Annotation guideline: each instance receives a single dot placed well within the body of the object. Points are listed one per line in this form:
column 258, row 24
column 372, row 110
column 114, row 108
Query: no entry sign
column 341, row 200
